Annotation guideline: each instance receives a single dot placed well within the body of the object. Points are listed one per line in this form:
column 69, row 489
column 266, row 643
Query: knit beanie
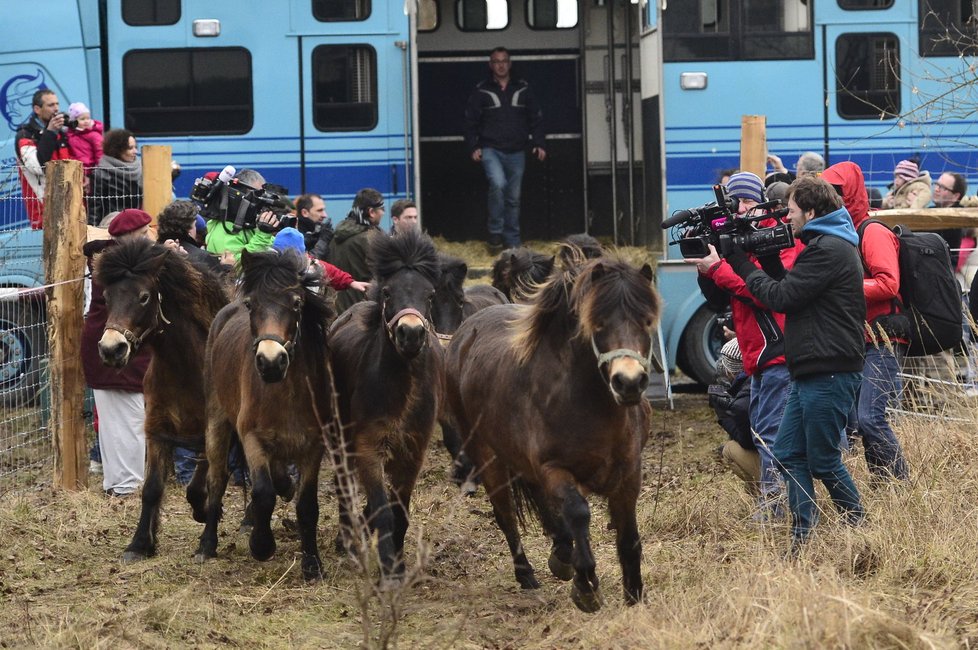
column 76, row 110
column 745, row 185
column 907, row 170
column 732, row 359
column 289, row 238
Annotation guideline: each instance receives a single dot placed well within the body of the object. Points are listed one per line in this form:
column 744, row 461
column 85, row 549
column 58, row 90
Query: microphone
column 227, row 174
column 678, row 217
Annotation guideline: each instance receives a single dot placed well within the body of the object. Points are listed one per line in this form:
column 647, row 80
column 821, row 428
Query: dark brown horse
column 156, row 297
column 518, row 271
column 548, row 397
column 387, row 367
column 453, row 303
column 267, row 378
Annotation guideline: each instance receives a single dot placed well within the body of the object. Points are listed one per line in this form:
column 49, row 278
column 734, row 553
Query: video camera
column 719, row 224
column 238, row 205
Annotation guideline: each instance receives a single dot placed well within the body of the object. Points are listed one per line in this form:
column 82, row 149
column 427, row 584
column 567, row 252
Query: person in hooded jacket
column 348, row 248
column 880, row 251
column 822, row 299
column 911, row 187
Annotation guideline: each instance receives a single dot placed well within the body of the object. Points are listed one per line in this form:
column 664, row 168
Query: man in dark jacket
column 313, row 222
column 501, row 117
column 822, row 299
column 38, row 141
column 348, row 249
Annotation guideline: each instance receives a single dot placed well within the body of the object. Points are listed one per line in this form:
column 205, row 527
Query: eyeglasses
column 498, row 61
column 943, row 187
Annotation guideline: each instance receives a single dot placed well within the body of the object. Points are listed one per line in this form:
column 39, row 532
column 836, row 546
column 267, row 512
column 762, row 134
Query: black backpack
column 930, row 296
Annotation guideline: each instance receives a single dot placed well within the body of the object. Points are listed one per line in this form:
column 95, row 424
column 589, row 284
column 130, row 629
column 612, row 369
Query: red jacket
column 35, row 147
column 880, row 248
column 756, row 345
column 338, row 278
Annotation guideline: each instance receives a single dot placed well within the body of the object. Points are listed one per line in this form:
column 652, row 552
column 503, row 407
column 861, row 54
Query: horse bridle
column 136, row 341
column 389, row 325
column 624, row 353
column 288, row 345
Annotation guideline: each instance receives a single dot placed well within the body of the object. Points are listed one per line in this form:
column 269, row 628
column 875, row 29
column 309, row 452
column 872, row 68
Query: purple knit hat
column 907, row 170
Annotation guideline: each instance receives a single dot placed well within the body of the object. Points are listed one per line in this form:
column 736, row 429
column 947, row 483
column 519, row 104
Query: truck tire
column 699, row 347
column 23, row 345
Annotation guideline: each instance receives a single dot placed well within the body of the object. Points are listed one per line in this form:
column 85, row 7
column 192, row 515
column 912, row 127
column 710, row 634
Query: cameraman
column 228, row 245
column 822, row 298
column 760, row 332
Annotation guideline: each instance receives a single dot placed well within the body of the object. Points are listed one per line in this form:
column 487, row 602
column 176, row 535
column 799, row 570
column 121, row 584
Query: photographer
column 348, row 250
column 39, row 140
column 223, row 242
column 822, row 299
column 760, row 334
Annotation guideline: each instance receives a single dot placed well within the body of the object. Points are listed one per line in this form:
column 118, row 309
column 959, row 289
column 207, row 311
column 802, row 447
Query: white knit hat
column 732, row 359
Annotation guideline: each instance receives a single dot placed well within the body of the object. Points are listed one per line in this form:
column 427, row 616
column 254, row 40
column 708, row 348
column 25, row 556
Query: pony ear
column 155, row 263
column 246, row 258
column 597, row 271
column 646, row 272
column 459, row 272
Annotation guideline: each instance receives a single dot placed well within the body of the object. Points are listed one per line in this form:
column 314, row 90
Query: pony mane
column 571, row 304
column 519, row 272
column 269, row 273
column 550, row 307
column 409, row 250
column 189, row 293
column 576, row 250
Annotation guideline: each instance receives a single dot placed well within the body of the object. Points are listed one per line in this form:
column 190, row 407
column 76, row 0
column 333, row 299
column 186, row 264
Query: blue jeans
column 184, row 464
column 504, row 171
column 809, row 447
column 880, row 386
column 768, row 394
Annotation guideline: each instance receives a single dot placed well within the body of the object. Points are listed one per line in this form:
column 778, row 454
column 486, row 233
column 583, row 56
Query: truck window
column 428, row 16
column 140, row 13
column 190, row 91
column 328, row 11
column 551, row 14
column 947, row 27
column 867, row 68
column 481, row 15
column 344, row 91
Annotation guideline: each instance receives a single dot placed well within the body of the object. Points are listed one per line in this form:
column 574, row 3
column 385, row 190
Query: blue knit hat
column 745, row 185
column 289, row 238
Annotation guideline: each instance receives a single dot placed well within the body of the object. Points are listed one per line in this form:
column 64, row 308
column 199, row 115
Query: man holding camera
column 227, row 244
column 39, row 140
column 822, row 299
column 760, row 332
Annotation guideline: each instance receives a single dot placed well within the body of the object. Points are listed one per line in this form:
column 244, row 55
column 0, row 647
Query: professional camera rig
column 719, row 224
column 238, row 205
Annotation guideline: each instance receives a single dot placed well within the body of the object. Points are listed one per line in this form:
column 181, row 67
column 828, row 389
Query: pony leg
column 262, row 541
column 307, row 514
column 143, row 544
column 403, row 469
column 218, row 441
column 562, row 547
column 343, row 477
column 463, row 469
column 495, row 478
column 197, row 491
column 370, row 470
column 622, row 513
column 577, row 516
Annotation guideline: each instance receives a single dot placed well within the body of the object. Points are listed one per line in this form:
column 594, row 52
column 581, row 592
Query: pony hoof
column 390, row 582
column 469, row 488
column 200, row 557
column 528, row 581
column 561, row 570
column 262, row 550
column 312, row 569
column 588, row 602
column 131, row 557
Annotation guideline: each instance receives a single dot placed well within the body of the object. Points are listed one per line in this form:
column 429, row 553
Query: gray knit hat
column 745, row 185
column 732, row 359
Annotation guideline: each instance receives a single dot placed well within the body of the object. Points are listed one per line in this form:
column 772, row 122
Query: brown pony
column 267, row 378
column 453, row 303
column 387, row 368
column 158, row 298
column 548, row 397
column 518, row 271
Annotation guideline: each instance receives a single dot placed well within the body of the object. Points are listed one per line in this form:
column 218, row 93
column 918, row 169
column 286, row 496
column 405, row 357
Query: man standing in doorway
column 502, row 118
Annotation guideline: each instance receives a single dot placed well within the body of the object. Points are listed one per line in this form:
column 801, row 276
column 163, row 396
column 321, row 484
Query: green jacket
column 348, row 251
column 220, row 240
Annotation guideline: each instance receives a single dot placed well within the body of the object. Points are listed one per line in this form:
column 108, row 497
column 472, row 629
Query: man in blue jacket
column 502, row 116
column 822, row 299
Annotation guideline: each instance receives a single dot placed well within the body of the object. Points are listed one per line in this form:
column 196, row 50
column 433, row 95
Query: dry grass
column 906, row 580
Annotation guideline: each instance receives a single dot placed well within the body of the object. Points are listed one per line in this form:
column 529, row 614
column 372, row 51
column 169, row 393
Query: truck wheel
column 23, row 344
column 699, row 347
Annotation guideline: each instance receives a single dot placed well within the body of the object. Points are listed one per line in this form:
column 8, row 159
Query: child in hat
column 336, row 277
column 85, row 137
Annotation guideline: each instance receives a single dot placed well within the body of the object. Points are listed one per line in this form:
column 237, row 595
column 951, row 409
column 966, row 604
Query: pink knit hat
column 907, row 170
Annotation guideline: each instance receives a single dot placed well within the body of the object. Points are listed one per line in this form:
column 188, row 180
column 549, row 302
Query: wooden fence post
column 753, row 144
column 157, row 178
column 64, row 267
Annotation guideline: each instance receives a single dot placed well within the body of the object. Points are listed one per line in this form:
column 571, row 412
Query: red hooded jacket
column 879, row 248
